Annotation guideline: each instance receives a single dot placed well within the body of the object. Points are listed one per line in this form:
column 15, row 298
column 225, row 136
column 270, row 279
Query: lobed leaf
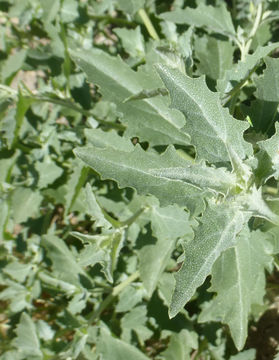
column 27, row 341
column 213, row 131
column 103, row 249
column 142, row 170
column 103, row 139
column 216, row 232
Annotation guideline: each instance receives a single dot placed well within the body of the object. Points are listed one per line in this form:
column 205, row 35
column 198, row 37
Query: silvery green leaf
column 271, row 149
column 216, row 232
column 135, row 321
column 245, row 355
column 62, row 258
column 148, row 119
column 238, row 278
column 240, row 72
column 17, row 295
column 50, row 9
column 213, row 131
column 130, row 7
column 25, row 203
column 181, row 345
column 13, row 64
column 132, row 40
column 252, row 201
column 215, row 56
column 48, row 172
column 103, row 249
column 129, row 297
column 94, row 209
column 73, row 187
column 69, row 11
column 268, row 84
column 17, row 270
column 137, row 169
column 27, row 341
column 75, row 347
column 44, row 330
column 111, row 348
column 217, row 180
column 214, row 19
column 167, row 224
column 102, row 139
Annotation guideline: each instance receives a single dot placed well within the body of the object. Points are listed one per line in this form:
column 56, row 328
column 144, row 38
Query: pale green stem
column 9, row 90
column 112, row 20
column 245, row 50
column 133, row 218
column 148, row 24
column 110, row 298
column 271, row 190
column 115, row 223
column 120, row 224
column 238, row 87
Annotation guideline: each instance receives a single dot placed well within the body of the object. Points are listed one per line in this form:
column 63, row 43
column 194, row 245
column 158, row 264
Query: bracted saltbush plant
column 139, row 179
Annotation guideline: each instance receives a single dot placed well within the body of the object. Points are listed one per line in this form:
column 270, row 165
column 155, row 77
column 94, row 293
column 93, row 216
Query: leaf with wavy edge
column 271, row 149
column 213, row 131
column 103, row 139
column 216, row 233
column 268, row 84
column 27, row 340
column 136, row 169
column 149, row 119
column 238, row 278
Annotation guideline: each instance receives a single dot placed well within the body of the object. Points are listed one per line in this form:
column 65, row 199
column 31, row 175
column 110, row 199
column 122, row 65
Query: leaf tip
column 77, row 151
column 172, row 312
column 160, row 68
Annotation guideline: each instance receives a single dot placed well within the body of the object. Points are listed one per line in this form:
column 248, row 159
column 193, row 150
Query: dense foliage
column 139, row 159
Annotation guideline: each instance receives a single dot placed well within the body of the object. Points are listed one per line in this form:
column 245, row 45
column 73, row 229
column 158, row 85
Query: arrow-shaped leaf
column 217, row 232
column 144, row 171
column 214, row 132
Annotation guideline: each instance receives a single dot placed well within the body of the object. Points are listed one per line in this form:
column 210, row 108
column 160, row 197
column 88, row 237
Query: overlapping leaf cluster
column 139, row 177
